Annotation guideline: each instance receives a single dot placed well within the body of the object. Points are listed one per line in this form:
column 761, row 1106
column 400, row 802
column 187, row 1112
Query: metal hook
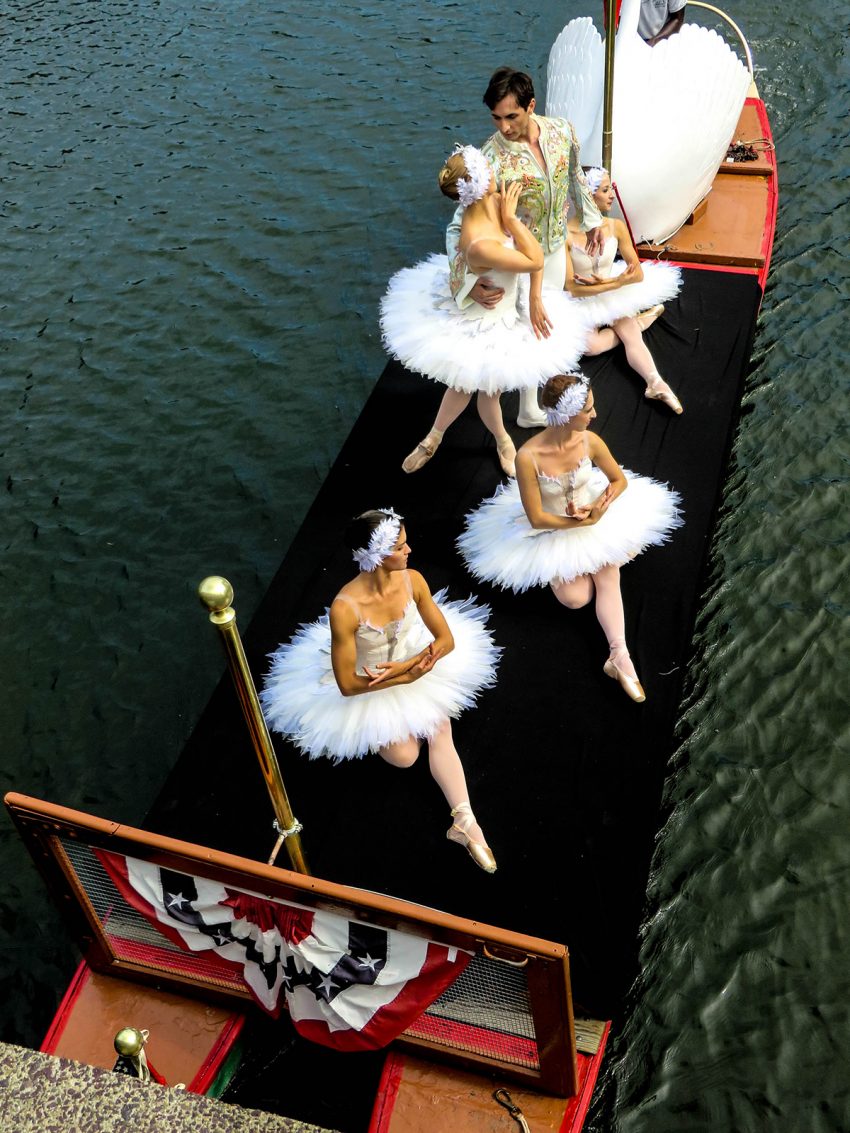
column 504, row 1099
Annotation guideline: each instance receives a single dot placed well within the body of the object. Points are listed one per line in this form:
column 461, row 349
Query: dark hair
column 507, row 81
column 359, row 531
column 553, row 389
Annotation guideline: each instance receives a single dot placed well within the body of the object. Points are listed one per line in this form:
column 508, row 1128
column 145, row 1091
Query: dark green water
column 200, row 206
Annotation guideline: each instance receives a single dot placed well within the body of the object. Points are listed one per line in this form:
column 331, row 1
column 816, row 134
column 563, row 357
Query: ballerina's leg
column 601, row 341
column 453, row 404
column 448, row 773
column 403, row 754
column 642, row 362
column 639, row 358
column 575, row 593
column 611, row 616
column 490, row 412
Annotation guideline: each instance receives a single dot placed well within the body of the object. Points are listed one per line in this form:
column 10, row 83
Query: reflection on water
column 200, row 206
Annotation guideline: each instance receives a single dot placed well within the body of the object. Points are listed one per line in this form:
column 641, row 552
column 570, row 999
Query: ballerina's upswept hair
column 557, row 386
column 360, row 530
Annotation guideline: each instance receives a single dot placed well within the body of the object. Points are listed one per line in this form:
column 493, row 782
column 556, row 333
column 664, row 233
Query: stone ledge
column 43, row 1094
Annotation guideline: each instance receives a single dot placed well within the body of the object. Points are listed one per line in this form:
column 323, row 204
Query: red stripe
column 388, row 1088
column 515, row 1049
column 389, row 1021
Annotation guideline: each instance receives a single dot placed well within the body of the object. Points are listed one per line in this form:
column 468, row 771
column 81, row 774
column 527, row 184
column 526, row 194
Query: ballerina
column 388, row 667
column 564, row 524
column 612, row 294
column 483, row 350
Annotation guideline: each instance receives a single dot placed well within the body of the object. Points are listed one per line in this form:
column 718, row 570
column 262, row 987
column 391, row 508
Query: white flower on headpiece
column 473, row 187
column 381, row 541
column 595, row 177
column 570, row 402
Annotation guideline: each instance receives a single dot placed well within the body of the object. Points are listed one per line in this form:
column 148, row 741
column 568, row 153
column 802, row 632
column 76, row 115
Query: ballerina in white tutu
column 565, row 523
column 387, row 668
column 614, row 293
column 478, row 350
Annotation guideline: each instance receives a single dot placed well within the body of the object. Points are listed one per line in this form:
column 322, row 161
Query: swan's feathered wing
column 574, row 82
column 676, row 106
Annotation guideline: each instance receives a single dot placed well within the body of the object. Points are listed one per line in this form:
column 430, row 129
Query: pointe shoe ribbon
column 480, row 852
column 420, row 455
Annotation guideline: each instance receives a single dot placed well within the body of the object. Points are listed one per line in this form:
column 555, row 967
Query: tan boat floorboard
column 183, row 1031
column 730, row 231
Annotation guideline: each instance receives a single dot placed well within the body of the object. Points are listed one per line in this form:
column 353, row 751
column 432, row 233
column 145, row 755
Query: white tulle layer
column 660, row 283
column 301, row 698
column 500, row 546
column 424, row 329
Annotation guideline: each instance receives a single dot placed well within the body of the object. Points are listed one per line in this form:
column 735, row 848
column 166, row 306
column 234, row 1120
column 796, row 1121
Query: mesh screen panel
column 129, row 935
column 486, row 1011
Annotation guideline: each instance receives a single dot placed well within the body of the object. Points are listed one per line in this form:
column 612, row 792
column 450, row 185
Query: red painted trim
column 63, row 1012
column 385, row 1098
column 730, row 269
column 577, row 1111
column 772, row 191
column 213, row 1062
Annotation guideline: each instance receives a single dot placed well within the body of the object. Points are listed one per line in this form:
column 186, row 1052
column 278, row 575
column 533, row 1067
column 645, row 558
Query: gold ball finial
column 129, row 1042
column 216, row 593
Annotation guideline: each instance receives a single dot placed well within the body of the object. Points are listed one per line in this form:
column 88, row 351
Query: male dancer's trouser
column 554, row 274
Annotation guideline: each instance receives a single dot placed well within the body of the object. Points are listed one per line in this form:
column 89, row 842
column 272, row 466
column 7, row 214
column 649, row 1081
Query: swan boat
column 522, row 1030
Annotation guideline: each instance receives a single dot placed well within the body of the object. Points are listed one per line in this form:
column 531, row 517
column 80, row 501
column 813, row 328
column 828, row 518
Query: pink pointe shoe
column 480, row 852
column 421, row 454
column 658, row 390
column 646, row 318
column 631, row 686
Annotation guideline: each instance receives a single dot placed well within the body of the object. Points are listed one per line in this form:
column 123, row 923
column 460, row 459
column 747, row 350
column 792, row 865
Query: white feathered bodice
column 579, row 487
column 600, row 265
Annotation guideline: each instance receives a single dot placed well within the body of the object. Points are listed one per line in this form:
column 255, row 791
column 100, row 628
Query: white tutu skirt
column 475, row 350
column 500, row 546
column 661, row 281
column 301, row 698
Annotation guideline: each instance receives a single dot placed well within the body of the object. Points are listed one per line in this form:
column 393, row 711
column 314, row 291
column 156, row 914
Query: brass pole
column 608, row 95
column 216, row 594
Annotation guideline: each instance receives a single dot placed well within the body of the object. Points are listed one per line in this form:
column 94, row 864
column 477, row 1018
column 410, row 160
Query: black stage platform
column 565, row 772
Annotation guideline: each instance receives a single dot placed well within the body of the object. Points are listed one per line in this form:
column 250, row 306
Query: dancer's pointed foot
column 421, row 454
column 620, row 668
column 466, row 832
column 658, row 390
column 507, row 455
column 646, row 318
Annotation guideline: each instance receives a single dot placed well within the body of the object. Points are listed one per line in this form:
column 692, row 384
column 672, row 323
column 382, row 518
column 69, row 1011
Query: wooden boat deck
column 736, row 227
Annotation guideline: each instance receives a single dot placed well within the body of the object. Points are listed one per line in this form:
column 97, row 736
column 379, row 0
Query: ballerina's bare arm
column 344, row 623
column 580, row 285
column 488, row 252
column 532, row 502
column 403, row 672
column 601, row 456
column 627, row 250
column 432, row 616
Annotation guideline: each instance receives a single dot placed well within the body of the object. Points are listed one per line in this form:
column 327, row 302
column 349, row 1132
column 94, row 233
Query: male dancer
column 544, row 154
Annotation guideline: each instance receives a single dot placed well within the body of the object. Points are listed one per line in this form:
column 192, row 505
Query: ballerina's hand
column 595, row 241
column 385, row 671
column 540, row 321
column 583, row 279
column 487, row 293
column 627, row 275
column 508, row 201
column 574, row 512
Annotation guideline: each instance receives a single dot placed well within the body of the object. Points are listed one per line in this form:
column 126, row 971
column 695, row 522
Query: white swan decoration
column 676, row 106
